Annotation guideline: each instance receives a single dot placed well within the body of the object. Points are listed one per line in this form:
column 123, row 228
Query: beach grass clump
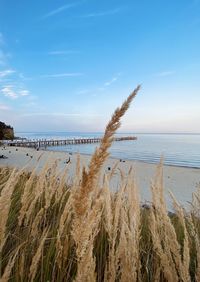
column 53, row 229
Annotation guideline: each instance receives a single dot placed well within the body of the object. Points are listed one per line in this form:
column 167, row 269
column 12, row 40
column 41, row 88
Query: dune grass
column 55, row 230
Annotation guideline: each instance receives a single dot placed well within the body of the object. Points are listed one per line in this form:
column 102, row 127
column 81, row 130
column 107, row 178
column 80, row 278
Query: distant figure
column 68, row 161
column 38, row 146
column 109, row 168
column 31, row 157
column 70, row 153
column 3, row 157
column 27, row 154
column 16, row 149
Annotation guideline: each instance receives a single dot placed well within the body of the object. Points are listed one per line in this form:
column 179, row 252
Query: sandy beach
column 181, row 181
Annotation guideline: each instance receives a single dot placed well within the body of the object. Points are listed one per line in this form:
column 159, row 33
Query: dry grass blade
column 184, row 267
column 10, row 265
column 5, row 202
column 100, row 156
column 85, row 225
column 37, row 256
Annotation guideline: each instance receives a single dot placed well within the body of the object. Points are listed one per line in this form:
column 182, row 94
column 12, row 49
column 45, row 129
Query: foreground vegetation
column 54, row 229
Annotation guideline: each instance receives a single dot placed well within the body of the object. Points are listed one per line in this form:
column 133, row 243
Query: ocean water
column 177, row 149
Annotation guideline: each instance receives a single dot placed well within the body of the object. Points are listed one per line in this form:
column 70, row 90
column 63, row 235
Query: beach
column 181, row 181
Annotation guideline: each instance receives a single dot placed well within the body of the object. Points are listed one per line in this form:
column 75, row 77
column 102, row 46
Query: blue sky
column 66, row 65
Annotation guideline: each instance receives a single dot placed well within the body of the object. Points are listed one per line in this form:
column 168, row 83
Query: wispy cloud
column 6, row 73
column 54, row 75
column 165, row 73
column 59, row 10
column 114, row 79
column 4, row 107
column 108, row 83
column 12, row 86
column 102, row 14
column 60, row 75
column 24, row 93
column 62, row 52
column 100, row 88
column 60, row 114
column 8, row 91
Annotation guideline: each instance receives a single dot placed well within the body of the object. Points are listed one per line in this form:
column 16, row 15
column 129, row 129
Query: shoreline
column 131, row 160
column 182, row 181
column 177, row 151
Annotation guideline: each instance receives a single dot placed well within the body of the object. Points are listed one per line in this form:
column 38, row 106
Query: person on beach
column 68, row 161
column 38, row 146
column 3, row 157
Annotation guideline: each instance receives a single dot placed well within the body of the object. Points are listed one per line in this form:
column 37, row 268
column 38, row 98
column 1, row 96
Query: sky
column 66, row 65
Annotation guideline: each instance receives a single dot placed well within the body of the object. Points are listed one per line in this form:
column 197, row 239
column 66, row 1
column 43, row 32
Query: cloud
column 165, row 73
column 24, row 93
column 61, row 114
column 9, row 92
column 60, row 9
column 11, row 80
column 108, row 83
column 114, row 79
column 56, row 75
column 102, row 14
column 4, row 107
column 64, row 52
column 100, row 88
column 60, row 75
column 6, row 73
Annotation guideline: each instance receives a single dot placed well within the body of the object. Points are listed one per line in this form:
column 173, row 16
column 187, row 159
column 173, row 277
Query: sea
column 176, row 149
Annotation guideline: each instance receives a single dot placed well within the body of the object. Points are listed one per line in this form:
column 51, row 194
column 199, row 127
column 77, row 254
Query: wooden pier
column 47, row 143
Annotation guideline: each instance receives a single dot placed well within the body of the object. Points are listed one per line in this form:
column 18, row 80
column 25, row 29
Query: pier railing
column 46, row 143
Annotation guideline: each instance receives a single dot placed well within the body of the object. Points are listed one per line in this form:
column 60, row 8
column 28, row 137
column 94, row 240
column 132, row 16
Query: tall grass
column 55, row 230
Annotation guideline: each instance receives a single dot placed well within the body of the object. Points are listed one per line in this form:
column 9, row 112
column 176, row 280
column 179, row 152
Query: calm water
column 177, row 149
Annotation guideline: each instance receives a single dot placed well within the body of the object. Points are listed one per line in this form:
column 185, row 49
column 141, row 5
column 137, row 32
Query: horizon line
column 125, row 132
